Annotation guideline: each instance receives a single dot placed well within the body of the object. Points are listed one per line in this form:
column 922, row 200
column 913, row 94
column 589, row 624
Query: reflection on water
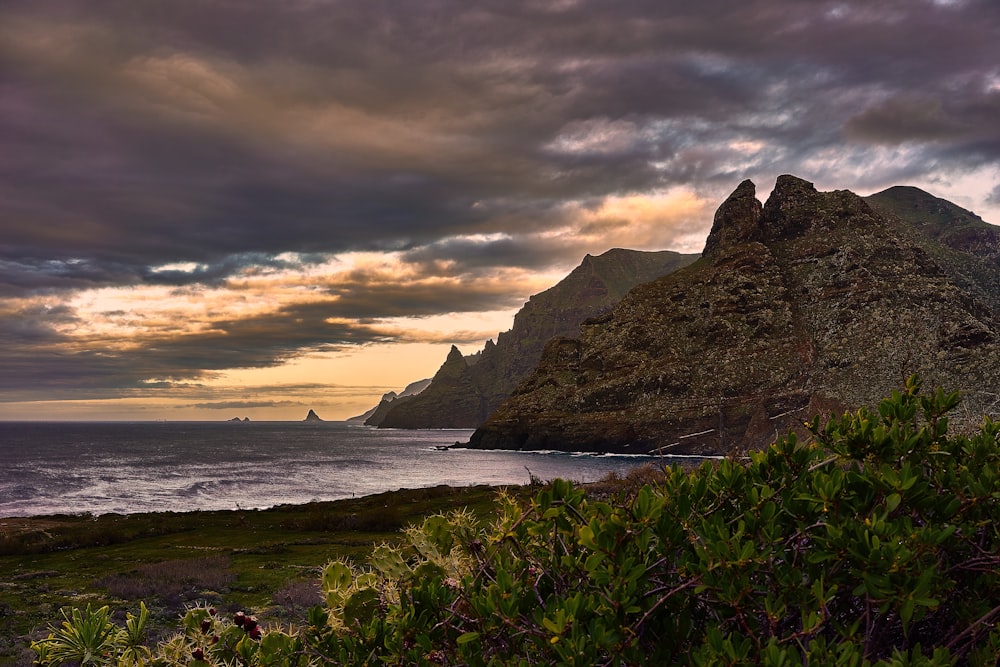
column 96, row 467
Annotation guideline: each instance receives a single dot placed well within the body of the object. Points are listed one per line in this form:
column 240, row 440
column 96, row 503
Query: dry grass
column 294, row 599
column 620, row 488
column 174, row 582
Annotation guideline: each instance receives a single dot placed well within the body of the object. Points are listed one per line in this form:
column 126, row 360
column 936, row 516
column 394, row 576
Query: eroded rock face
column 811, row 303
column 464, row 393
column 451, row 397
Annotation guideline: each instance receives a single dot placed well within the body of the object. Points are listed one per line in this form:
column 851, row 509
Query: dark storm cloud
column 168, row 132
column 923, row 118
column 904, row 119
column 137, row 137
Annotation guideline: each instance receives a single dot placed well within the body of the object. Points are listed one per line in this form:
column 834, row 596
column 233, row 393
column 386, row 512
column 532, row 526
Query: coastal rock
column 463, row 396
column 811, row 303
column 374, row 416
column 312, row 417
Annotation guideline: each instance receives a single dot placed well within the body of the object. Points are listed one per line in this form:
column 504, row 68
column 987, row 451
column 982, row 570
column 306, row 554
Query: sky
column 216, row 208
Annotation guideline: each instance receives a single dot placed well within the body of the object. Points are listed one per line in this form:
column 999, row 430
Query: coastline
column 265, row 560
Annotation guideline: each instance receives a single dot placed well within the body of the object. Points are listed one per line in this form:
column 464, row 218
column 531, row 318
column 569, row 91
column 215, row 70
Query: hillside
column 465, row 392
column 376, row 413
column 811, row 303
column 958, row 240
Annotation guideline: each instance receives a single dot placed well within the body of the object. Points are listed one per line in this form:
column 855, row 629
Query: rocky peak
column 454, row 364
column 452, row 396
column 737, row 220
column 791, row 207
column 794, row 207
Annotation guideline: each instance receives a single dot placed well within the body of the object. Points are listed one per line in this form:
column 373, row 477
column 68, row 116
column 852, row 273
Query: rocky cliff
column 374, row 416
column 958, row 240
column 463, row 395
column 451, row 400
column 810, row 303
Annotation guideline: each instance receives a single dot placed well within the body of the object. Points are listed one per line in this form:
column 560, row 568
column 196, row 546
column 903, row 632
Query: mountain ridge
column 387, row 399
column 809, row 303
column 464, row 396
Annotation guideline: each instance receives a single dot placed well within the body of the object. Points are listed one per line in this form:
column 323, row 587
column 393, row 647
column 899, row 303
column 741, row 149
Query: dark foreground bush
column 873, row 543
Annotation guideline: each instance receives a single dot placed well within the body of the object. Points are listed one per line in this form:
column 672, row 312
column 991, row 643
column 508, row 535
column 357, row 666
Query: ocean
column 128, row 467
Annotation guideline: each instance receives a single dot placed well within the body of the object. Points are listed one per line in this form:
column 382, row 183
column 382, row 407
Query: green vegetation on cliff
column 872, row 543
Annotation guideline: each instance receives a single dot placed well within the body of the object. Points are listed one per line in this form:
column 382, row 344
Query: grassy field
column 267, row 561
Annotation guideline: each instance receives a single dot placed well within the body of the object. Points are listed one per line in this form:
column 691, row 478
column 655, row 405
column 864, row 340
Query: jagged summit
column 455, row 358
column 794, row 207
column 810, row 303
column 736, row 221
column 452, row 396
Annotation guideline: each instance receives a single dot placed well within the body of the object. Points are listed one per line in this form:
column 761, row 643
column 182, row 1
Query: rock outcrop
column 452, row 399
column 463, row 396
column 374, row 416
column 811, row 303
column 312, row 417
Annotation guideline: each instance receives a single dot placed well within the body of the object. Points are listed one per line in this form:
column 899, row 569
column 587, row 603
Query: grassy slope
column 237, row 559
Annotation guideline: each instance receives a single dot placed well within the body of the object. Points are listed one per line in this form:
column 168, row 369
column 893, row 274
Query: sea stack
column 312, row 417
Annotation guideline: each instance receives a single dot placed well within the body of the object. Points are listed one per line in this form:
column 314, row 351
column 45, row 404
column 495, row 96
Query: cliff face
column 464, row 396
column 965, row 246
column 375, row 415
column 811, row 303
column 451, row 397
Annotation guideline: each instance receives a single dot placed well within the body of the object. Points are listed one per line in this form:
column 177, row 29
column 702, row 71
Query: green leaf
column 892, row 501
column 360, row 608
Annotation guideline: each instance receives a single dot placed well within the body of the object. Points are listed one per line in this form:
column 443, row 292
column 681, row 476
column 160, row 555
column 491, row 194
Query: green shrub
column 874, row 542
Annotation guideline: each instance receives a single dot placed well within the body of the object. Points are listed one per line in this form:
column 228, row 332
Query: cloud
column 994, row 197
column 245, row 405
column 903, row 119
column 231, row 154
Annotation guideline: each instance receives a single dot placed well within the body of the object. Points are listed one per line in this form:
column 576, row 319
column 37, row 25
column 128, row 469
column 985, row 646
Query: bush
column 875, row 542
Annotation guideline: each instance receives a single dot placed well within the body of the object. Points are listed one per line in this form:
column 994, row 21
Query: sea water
column 129, row 467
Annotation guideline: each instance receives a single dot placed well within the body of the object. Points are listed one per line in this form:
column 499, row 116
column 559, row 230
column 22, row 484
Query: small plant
column 534, row 481
column 88, row 637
